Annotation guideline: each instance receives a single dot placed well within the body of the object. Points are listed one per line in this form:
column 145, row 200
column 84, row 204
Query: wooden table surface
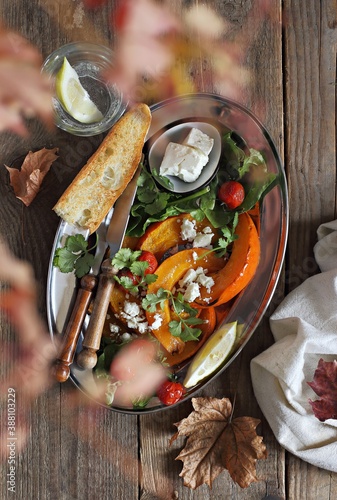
column 85, row 452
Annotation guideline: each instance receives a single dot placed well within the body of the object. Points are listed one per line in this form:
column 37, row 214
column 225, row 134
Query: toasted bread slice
column 102, row 180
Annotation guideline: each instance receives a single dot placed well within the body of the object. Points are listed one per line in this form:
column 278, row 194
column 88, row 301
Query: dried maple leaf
column 216, row 442
column 27, row 181
column 325, row 386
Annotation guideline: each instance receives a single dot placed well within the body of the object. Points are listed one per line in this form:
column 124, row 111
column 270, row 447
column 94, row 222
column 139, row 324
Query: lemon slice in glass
column 73, row 97
column 211, row 355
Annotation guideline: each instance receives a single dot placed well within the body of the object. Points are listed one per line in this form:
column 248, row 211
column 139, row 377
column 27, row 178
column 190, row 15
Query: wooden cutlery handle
column 87, row 358
column 73, row 330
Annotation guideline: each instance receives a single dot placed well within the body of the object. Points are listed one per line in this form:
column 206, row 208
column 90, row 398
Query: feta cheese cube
column 199, row 140
column 182, row 161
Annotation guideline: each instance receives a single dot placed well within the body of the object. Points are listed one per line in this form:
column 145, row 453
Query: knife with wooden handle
column 87, row 358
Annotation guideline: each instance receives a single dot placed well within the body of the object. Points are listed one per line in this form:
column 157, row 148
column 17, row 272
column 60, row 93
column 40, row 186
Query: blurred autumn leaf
column 27, row 181
column 216, row 442
column 325, row 385
column 24, row 91
column 158, row 54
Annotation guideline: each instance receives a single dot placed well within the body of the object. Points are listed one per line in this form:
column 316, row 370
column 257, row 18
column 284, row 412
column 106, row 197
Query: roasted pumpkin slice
column 169, row 273
column 161, row 236
column 240, row 268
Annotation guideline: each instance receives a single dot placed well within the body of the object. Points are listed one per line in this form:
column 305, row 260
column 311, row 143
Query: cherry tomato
column 170, row 392
column 231, row 193
column 151, row 259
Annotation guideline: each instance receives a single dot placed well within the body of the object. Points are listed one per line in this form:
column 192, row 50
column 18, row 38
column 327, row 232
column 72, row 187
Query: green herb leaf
column 76, row 243
column 127, row 283
column 255, row 158
column 139, row 267
column 158, row 204
column 64, row 259
column 150, row 278
column 83, row 264
column 125, row 257
column 150, row 302
column 182, row 330
column 74, row 256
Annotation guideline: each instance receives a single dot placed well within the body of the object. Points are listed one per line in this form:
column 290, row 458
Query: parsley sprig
column 75, row 255
column 182, row 327
column 126, row 258
column 228, row 236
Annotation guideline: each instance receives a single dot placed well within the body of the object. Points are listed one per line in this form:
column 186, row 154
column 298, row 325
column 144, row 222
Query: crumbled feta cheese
column 206, row 281
column 200, row 270
column 131, row 308
column 126, row 336
column 203, row 240
column 195, row 256
column 199, row 140
column 158, row 320
column 187, row 230
column 142, row 326
column 192, row 292
column 113, row 328
column 134, row 317
column 188, row 277
column 190, row 282
column 200, row 240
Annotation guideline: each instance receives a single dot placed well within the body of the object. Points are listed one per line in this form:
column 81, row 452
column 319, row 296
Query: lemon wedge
column 211, row 355
column 73, row 97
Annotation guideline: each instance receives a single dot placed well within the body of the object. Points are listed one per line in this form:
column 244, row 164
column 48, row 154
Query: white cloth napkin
column 304, row 327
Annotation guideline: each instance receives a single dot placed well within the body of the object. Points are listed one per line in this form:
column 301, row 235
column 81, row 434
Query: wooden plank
column 310, row 70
